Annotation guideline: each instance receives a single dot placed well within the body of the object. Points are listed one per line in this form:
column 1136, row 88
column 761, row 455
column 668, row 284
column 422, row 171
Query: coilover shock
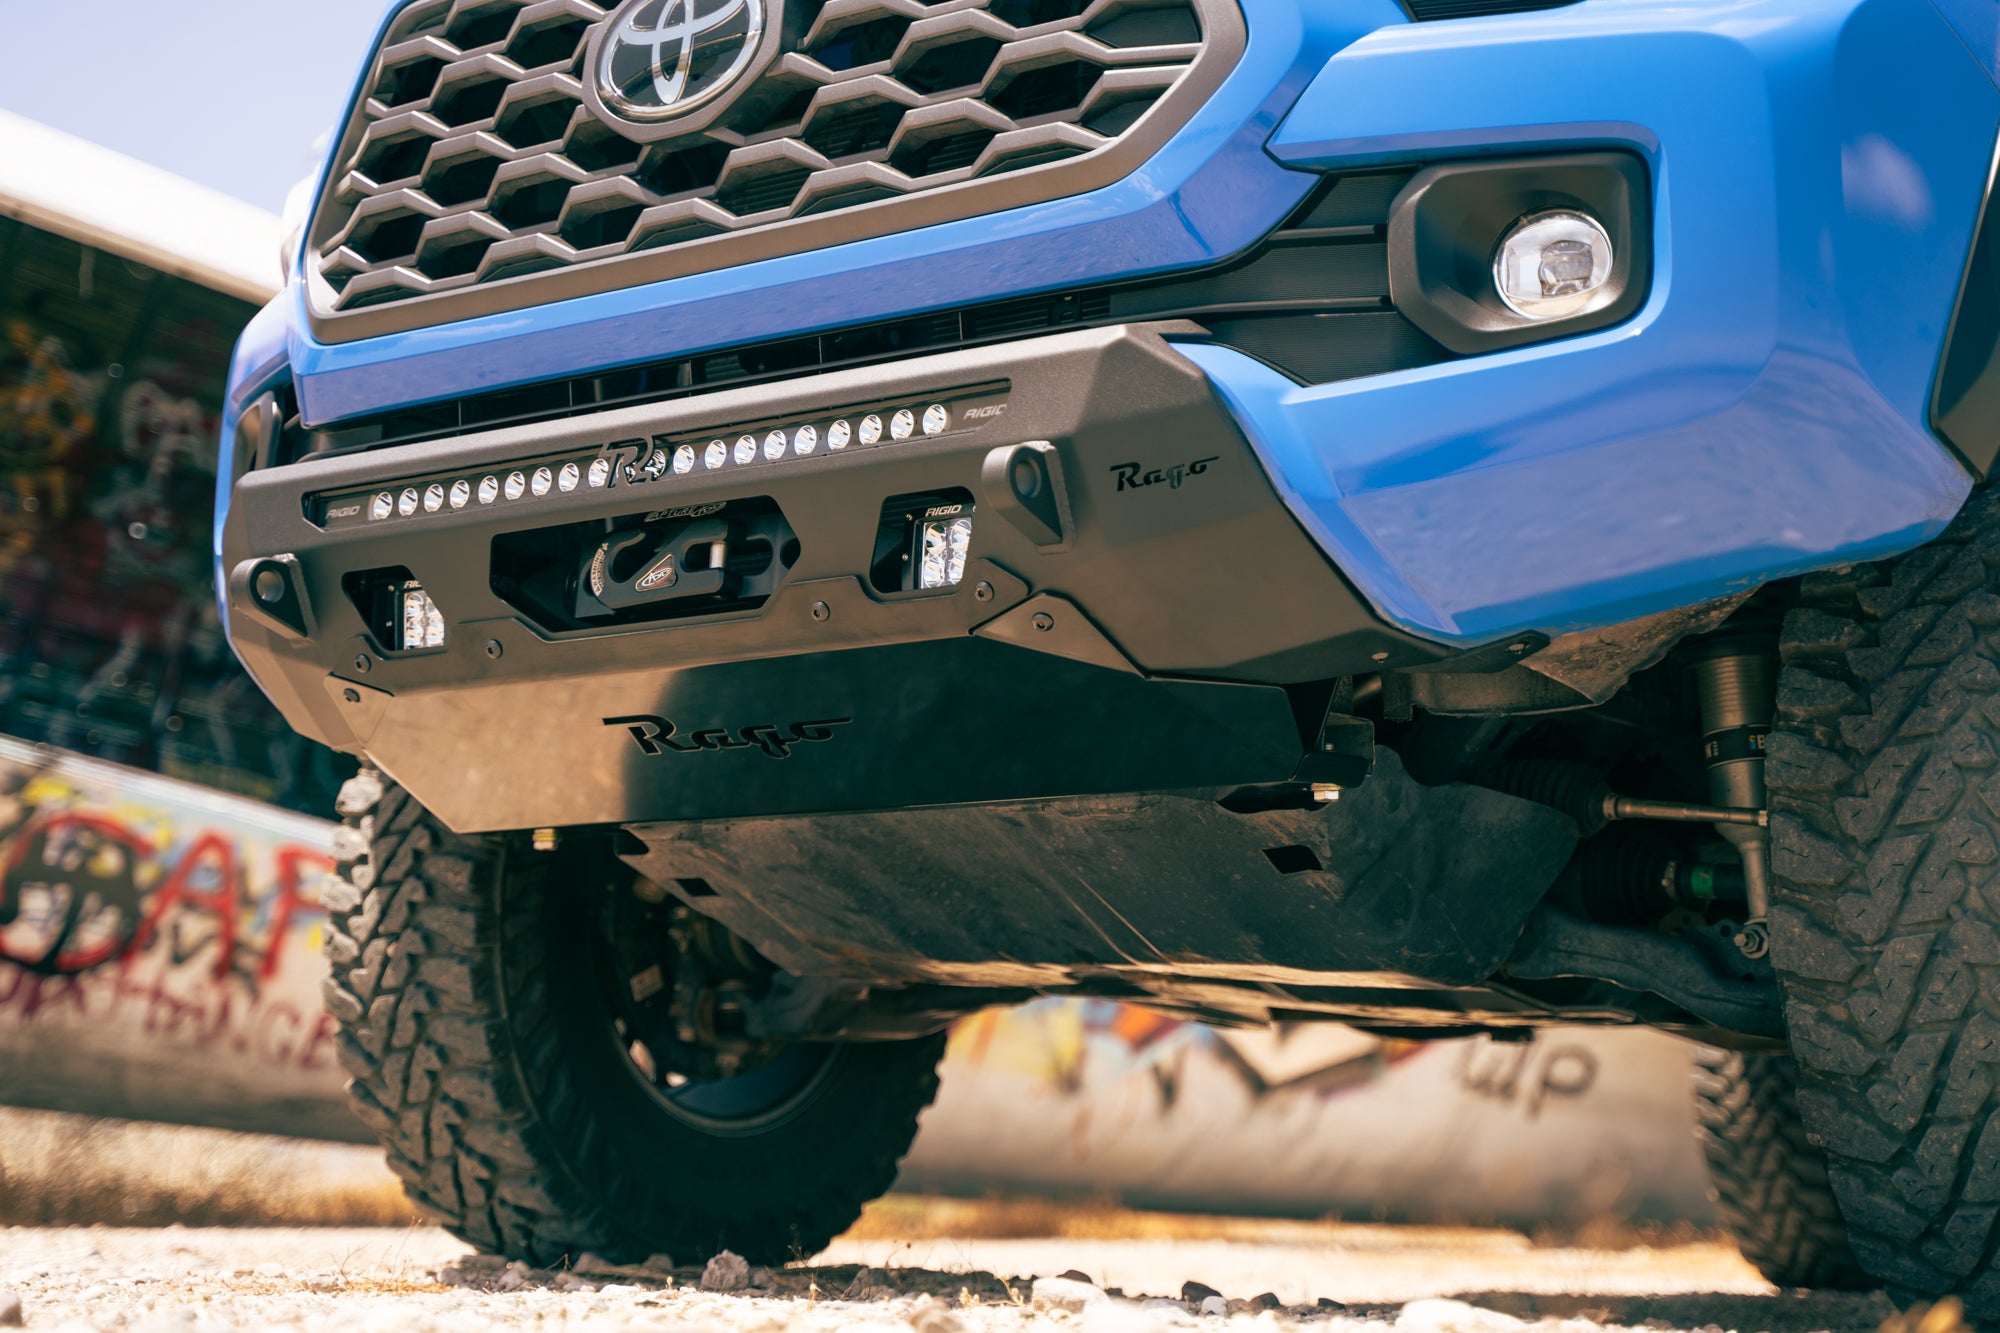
column 1736, row 678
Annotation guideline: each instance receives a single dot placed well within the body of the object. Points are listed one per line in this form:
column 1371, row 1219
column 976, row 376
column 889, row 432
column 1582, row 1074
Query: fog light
column 1552, row 264
column 422, row 624
column 943, row 538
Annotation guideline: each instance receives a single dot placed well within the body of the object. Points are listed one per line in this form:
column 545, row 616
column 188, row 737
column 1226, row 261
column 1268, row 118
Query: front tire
column 1884, row 776
column 478, row 1027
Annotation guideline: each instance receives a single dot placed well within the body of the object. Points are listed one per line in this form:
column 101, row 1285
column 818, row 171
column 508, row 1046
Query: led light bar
column 642, row 462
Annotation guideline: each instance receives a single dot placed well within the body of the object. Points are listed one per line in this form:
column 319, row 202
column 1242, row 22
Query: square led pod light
column 943, row 537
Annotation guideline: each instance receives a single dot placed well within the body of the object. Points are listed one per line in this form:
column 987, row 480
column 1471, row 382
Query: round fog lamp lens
column 936, row 418
column 1553, row 264
column 489, row 490
column 382, row 506
column 568, row 478
column 871, row 429
column 683, row 460
column 715, row 455
column 805, row 439
column 542, row 480
column 600, row 472
column 406, row 503
column 433, row 497
column 837, row 435
column 775, row 445
column 900, row 425
column 517, row 485
column 746, row 448
column 461, row 493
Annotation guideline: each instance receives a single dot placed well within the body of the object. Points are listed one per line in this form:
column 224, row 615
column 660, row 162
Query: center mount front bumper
column 1148, row 648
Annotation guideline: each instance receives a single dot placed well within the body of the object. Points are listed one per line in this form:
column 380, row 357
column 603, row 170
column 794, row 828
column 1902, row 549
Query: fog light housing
column 943, row 538
column 1553, row 264
column 421, row 624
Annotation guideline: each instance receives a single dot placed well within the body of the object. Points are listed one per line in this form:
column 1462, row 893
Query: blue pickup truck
column 1452, row 516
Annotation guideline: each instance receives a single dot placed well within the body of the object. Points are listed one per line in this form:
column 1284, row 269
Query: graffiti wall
column 1064, row 1097
column 159, row 951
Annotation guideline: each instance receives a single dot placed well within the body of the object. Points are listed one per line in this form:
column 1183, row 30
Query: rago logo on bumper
column 657, row 735
column 1137, row 476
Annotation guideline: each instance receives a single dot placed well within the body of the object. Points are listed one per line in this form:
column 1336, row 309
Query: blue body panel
column 1817, row 168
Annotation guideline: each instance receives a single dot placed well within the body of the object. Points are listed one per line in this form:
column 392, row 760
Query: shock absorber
column 1736, row 677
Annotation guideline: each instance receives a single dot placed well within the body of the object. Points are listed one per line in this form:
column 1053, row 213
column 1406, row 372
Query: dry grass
column 65, row 1170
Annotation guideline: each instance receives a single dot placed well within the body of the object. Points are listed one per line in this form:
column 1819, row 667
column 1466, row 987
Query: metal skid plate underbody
column 1047, row 569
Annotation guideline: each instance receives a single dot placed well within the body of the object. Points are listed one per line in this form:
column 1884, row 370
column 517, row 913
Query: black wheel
column 1769, row 1182
column 1884, row 773
column 542, row 1094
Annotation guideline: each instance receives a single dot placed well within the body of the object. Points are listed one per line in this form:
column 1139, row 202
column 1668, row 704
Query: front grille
column 1312, row 300
column 473, row 177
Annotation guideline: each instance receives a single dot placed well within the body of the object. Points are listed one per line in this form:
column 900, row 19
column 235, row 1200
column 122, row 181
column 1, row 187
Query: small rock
column 663, row 1264
column 593, row 1263
column 1441, row 1316
column 513, row 1277
column 1328, row 1303
column 931, row 1315
column 1063, row 1293
column 1214, row 1305
column 1194, row 1293
column 11, row 1315
column 1268, row 1301
column 1077, row 1275
column 727, row 1271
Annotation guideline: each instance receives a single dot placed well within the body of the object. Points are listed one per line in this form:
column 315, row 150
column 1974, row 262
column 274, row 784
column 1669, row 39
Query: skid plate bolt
column 1044, row 621
column 1380, row 657
column 822, row 612
column 493, row 649
column 1325, row 792
column 351, row 694
column 270, row 587
column 361, row 663
column 982, row 591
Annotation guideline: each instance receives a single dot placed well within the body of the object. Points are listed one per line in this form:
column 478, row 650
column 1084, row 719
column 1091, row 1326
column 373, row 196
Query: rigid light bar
column 641, row 462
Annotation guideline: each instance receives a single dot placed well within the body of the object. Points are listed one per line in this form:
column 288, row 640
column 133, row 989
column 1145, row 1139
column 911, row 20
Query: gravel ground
column 1329, row 1278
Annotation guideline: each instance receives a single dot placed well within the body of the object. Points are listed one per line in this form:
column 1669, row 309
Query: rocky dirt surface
column 1328, row 1278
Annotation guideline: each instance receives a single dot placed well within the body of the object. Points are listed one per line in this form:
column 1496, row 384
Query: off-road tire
column 1884, row 774
column 506, row 1103
column 1769, row 1182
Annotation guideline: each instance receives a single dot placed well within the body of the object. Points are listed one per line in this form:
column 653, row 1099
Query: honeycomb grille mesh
column 472, row 157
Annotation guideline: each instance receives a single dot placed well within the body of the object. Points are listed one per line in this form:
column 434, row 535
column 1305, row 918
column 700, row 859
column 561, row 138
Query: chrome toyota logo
column 661, row 58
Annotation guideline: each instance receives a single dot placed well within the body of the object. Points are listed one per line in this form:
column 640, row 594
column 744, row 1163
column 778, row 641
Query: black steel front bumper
column 1154, row 620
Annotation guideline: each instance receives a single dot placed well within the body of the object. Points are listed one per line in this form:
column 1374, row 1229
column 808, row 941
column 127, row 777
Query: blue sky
column 231, row 93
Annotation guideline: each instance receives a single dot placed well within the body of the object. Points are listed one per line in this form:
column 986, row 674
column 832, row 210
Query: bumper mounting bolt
column 351, row 694
column 821, row 611
column 493, row 649
column 1044, row 621
column 362, row 663
column 982, row 591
